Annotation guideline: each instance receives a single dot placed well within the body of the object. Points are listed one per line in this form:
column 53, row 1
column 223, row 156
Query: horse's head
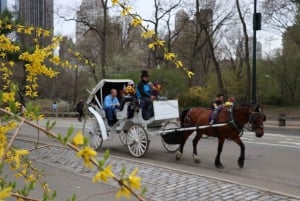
column 256, row 119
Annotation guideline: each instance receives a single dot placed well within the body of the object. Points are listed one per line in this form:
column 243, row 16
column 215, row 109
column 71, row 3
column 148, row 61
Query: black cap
column 144, row 74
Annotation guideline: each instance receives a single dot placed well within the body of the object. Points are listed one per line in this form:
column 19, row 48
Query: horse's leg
column 242, row 146
column 218, row 163
column 185, row 136
column 195, row 142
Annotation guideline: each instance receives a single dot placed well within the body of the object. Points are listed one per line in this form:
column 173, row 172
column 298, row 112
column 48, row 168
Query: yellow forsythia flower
column 114, row 2
column 134, row 181
column 169, row 56
column 5, row 193
column 17, row 155
column 126, row 11
column 136, row 21
column 7, row 97
column 151, row 46
column 148, row 34
column 178, row 64
column 104, row 174
column 78, row 139
column 190, row 74
column 123, row 192
column 87, row 154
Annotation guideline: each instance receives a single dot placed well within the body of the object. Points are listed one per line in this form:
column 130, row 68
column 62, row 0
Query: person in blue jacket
column 111, row 103
column 144, row 91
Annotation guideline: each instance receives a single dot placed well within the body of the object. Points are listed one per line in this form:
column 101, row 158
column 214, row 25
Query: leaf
column 123, row 171
column 106, row 154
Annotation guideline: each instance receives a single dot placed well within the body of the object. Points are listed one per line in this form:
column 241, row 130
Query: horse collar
column 231, row 120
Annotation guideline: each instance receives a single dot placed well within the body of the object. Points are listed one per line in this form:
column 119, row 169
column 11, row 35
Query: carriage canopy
column 103, row 88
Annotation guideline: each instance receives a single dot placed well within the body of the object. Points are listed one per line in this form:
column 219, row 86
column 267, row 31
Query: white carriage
column 134, row 132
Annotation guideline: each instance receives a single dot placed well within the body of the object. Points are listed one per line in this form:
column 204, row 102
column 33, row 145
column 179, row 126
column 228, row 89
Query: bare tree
column 246, row 56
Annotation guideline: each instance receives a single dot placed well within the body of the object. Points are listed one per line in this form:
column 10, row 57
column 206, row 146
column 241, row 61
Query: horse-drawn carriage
column 134, row 131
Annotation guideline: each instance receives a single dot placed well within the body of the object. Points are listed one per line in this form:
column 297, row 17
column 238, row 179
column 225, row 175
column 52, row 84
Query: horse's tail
column 182, row 116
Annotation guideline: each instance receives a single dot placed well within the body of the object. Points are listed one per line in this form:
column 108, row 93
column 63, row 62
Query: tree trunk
column 247, row 59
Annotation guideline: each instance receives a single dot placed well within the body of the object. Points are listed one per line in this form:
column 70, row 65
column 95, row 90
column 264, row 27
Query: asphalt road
column 272, row 162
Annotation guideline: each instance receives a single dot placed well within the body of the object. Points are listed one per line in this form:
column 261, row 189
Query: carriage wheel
column 137, row 141
column 123, row 137
column 170, row 147
column 92, row 132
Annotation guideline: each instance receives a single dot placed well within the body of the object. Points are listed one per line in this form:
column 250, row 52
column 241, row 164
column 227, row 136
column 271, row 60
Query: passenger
column 111, row 103
column 216, row 106
column 230, row 101
column 144, row 93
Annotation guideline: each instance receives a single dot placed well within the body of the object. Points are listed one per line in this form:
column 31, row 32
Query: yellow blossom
column 39, row 32
column 46, row 33
column 152, row 46
column 87, row 154
column 126, row 11
column 169, row 56
column 104, row 175
column 20, row 28
column 190, row 74
column 17, row 155
column 134, row 181
column 7, row 97
column 5, row 193
column 123, row 192
column 136, row 21
column 160, row 43
column 77, row 54
column 11, row 63
column 114, row 2
column 78, row 139
column 8, row 26
column 178, row 64
column 148, row 34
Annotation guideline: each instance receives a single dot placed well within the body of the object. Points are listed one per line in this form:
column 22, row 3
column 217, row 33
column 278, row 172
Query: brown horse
column 235, row 118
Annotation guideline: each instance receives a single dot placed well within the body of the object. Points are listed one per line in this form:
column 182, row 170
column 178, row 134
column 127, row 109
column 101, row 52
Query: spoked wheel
column 91, row 130
column 123, row 137
column 170, row 147
column 137, row 141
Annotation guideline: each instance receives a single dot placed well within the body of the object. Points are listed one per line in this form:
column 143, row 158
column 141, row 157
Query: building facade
column 37, row 13
column 90, row 11
column 3, row 5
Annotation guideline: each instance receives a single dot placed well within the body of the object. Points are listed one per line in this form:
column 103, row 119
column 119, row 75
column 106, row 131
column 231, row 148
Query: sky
column 68, row 28
column 144, row 8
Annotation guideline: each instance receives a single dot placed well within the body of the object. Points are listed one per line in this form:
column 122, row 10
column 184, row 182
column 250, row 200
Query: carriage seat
column 122, row 114
column 124, row 100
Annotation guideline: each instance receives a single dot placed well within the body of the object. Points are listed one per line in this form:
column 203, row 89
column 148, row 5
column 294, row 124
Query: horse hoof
column 196, row 159
column 178, row 155
column 219, row 166
column 241, row 163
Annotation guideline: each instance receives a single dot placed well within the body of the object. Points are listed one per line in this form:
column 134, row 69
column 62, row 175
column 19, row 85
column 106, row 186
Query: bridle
column 253, row 122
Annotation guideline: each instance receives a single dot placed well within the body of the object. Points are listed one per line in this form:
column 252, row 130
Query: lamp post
column 253, row 100
column 256, row 26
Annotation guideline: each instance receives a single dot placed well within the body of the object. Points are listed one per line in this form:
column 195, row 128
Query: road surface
column 272, row 162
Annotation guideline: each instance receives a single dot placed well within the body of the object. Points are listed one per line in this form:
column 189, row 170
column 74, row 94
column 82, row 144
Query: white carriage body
column 164, row 111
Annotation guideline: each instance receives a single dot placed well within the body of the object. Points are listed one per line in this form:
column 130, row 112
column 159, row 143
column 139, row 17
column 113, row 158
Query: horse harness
column 251, row 122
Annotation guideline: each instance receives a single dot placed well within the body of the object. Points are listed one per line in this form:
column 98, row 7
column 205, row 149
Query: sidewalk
column 290, row 125
column 67, row 175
